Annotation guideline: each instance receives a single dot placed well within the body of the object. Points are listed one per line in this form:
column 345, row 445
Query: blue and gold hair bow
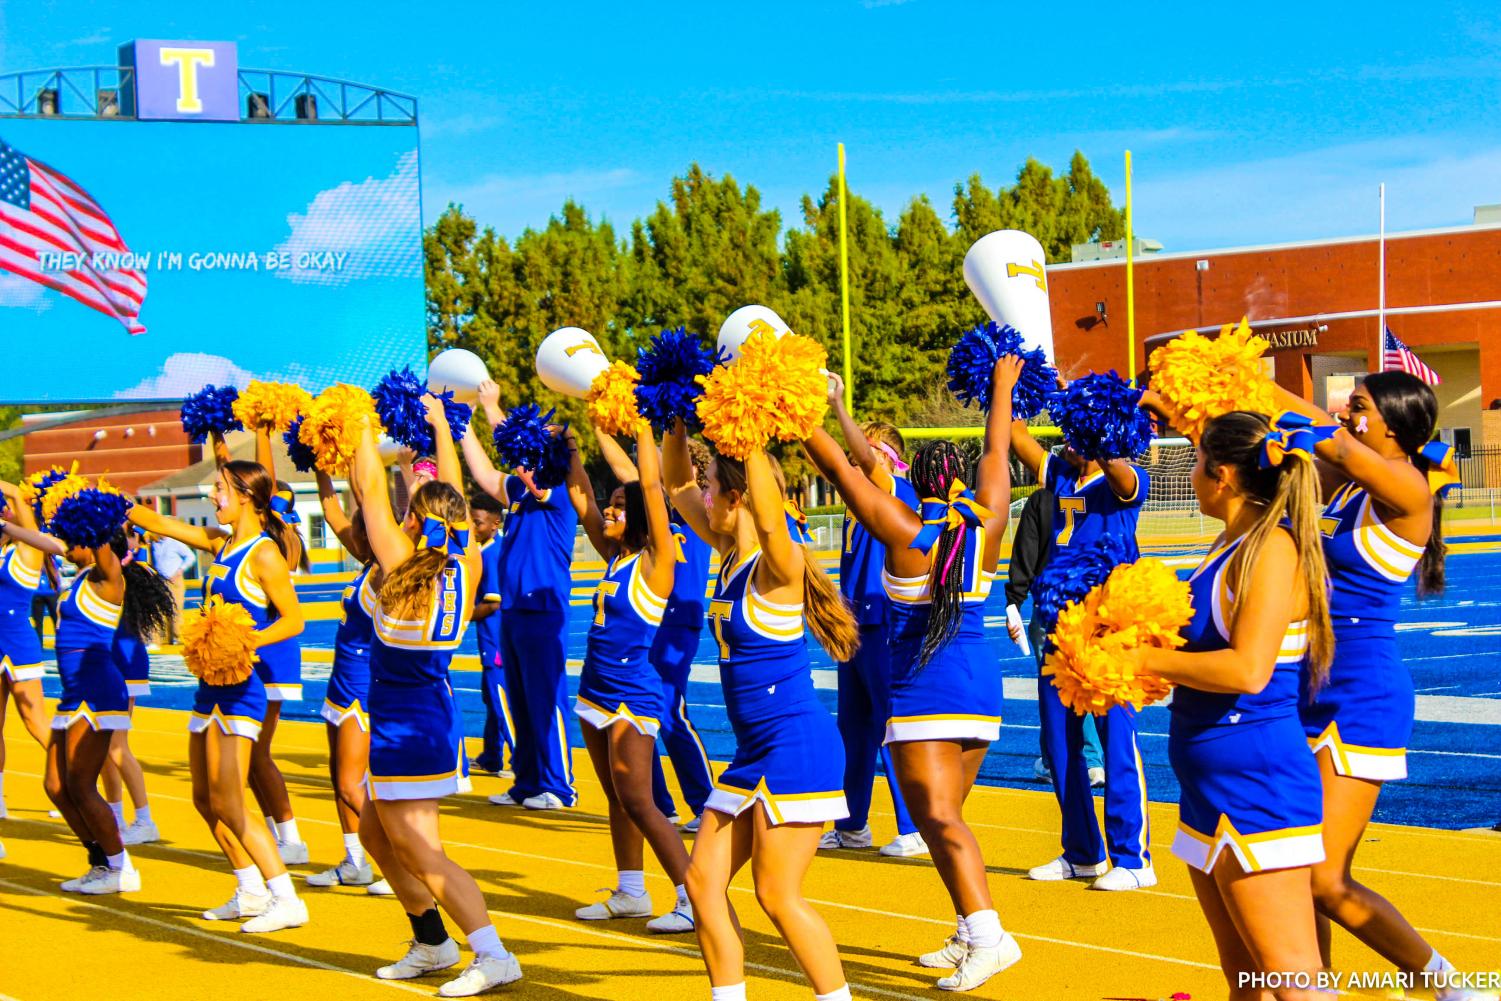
column 797, row 523
column 1443, row 473
column 1292, row 434
column 281, row 503
column 450, row 537
column 938, row 516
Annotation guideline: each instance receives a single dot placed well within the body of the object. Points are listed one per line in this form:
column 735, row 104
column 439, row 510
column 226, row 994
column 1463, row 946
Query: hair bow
column 450, row 537
column 938, row 516
column 1292, row 434
column 1443, row 473
column 282, row 505
column 797, row 523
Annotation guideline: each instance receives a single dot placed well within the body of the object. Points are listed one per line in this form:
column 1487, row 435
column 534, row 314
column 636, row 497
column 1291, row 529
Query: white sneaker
column 3, row 812
column 282, row 912
column 241, row 905
column 693, row 825
column 346, row 873
column 674, row 820
column 541, row 801
column 1040, row 770
column 76, row 884
column 1096, row 778
column 140, row 832
column 1121, row 878
column 947, row 958
column 1061, row 869
column 292, row 852
column 835, row 838
column 466, row 785
column 112, row 881
column 905, row 846
column 380, row 888
column 421, row 960
column 618, row 905
column 482, row 974
column 503, row 799
column 674, row 922
column 979, row 965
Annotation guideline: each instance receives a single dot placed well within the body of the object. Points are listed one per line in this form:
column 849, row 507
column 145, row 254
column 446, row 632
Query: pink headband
column 427, row 466
column 896, row 460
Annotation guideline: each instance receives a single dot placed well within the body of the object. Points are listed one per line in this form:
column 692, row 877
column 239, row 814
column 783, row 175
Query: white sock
column 287, row 832
column 682, row 895
column 118, row 809
column 1437, row 964
column 120, row 862
column 354, row 852
column 984, row 929
column 962, row 930
column 486, row 943
column 281, row 886
column 271, row 826
column 632, row 882
column 734, row 992
column 842, row 994
column 143, row 814
column 249, row 881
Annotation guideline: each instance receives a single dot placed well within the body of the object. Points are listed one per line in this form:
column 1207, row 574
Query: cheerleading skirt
column 956, row 696
column 237, row 710
column 93, row 690
column 415, row 750
column 1362, row 714
column 611, row 692
column 20, row 650
column 1249, row 789
column 280, row 669
column 788, row 758
column 134, row 662
column 348, row 695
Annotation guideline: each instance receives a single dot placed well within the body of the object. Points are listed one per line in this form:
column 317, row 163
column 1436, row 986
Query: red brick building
column 132, row 450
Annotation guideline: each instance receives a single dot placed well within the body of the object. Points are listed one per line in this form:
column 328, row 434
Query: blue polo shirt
column 536, row 550
column 487, row 630
column 864, row 556
column 1088, row 508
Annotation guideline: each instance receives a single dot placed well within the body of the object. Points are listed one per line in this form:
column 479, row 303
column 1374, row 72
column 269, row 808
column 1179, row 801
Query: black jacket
column 1032, row 545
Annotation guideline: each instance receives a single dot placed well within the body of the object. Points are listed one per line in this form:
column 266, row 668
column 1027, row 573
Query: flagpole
column 1130, row 281
column 1381, row 287
column 844, row 286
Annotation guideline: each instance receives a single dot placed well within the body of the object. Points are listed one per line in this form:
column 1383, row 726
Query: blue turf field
column 1452, row 645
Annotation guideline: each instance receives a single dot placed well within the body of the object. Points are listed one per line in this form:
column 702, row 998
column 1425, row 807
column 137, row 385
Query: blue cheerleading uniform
column 238, row 709
column 957, row 694
column 1248, row 785
column 1089, row 508
column 1363, row 713
column 94, row 689
column 617, row 682
column 416, row 747
column 788, row 756
column 348, row 694
column 20, row 649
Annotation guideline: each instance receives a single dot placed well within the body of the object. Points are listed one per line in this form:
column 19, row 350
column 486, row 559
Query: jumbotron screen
column 143, row 260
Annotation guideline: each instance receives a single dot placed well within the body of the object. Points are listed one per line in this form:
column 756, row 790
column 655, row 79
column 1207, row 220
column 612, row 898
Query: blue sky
column 1248, row 124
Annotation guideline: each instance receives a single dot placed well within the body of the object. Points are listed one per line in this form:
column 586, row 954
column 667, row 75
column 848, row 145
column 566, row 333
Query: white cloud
column 374, row 222
column 22, row 293
column 187, row 372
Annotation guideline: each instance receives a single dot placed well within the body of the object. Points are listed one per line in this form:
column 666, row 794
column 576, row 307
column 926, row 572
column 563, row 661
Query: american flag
column 43, row 212
column 1398, row 357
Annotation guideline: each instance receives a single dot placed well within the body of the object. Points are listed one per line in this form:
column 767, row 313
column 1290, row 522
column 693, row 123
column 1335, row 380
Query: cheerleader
column 1249, row 814
column 430, row 572
column 619, row 704
column 20, row 648
column 250, row 569
column 786, row 780
column 1383, row 478
column 945, row 687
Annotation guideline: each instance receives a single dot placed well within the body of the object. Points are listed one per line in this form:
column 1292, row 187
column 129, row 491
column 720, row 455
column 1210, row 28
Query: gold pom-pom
column 612, row 400
column 1141, row 604
column 777, row 389
column 1199, row 379
column 331, row 425
column 272, row 405
column 61, row 491
column 38, row 482
column 218, row 641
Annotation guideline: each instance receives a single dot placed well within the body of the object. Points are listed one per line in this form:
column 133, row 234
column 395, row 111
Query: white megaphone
column 1005, row 271
column 459, row 370
column 568, row 359
column 739, row 325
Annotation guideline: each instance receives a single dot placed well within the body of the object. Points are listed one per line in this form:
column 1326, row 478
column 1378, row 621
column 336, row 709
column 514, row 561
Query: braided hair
column 935, row 466
column 149, row 606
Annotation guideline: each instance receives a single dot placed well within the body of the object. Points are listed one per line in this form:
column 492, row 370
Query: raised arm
column 881, row 513
column 39, row 543
column 488, row 395
column 405, row 457
column 264, row 454
column 781, row 558
column 1027, row 449
column 682, row 487
column 581, row 495
column 444, row 452
column 662, row 546
column 111, row 575
column 1123, row 477
column 220, row 448
column 860, row 452
column 993, row 475
column 485, row 475
column 333, row 512
column 275, row 578
column 620, row 464
column 388, row 542
column 197, row 536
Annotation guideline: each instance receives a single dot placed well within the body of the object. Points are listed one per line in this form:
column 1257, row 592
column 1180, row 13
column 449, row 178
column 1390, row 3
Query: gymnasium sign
column 1291, row 338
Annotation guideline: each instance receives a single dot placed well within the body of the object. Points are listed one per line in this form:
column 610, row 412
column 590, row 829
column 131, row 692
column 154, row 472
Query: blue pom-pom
column 669, row 368
column 1100, row 419
column 1072, row 572
column 41, row 492
column 210, row 410
column 89, row 518
column 302, row 457
column 459, row 415
column 557, row 457
column 522, row 438
column 971, row 367
column 398, row 402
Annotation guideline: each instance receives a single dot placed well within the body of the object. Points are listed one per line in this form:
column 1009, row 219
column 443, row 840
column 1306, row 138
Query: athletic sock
column 96, row 854
column 961, row 931
column 1437, row 964
column 118, row 809
column 682, row 892
column 842, row 994
column 427, row 927
column 632, row 882
column 143, row 814
column 486, row 943
column 281, row 886
column 734, row 992
column 354, row 851
column 249, row 880
column 271, row 826
column 984, row 929
column 120, row 862
column 287, row 832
